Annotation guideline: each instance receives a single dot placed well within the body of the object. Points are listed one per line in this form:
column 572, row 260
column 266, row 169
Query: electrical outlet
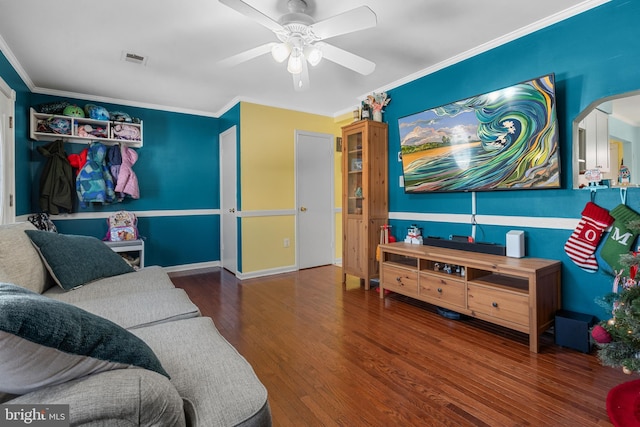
column 286, row 242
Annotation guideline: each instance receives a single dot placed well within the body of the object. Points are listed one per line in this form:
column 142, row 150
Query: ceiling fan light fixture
column 280, row 52
column 313, row 54
column 294, row 66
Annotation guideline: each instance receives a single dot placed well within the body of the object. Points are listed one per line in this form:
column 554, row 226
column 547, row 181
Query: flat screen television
column 503, row 140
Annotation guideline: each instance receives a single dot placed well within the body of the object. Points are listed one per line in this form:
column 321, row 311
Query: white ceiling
column 74, row 48
column 627, row 109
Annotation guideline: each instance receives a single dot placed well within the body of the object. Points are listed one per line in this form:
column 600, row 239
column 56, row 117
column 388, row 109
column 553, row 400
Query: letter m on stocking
column 621, row 239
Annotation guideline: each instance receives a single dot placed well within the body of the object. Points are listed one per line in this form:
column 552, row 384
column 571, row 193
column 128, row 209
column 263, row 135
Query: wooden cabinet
column 84, row 130
column 364, row 197
column 594, row 142
column 518, row 293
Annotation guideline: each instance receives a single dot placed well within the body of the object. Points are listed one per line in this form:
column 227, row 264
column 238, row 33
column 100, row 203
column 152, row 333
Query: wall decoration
column 502, row 140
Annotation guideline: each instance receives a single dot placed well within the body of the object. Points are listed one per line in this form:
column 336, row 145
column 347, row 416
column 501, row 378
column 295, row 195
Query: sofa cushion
column 152, row 279
column 218, row 383
column 45, row 342
column 76, row 260
column 19, row 260
column 163, row 305
column 114, row 398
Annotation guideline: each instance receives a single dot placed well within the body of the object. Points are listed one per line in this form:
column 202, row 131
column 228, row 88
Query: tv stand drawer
column 503, row 305
column 403, row 281
column 442, row 290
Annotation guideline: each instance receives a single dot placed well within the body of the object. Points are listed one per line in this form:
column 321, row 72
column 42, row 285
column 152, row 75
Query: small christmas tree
column 618, row 339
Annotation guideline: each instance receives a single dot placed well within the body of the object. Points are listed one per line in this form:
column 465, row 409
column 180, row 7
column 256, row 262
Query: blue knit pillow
column 76, row 260
column 45, row 342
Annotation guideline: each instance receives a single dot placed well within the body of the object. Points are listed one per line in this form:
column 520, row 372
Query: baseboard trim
column 191, row 268
column 269, row 272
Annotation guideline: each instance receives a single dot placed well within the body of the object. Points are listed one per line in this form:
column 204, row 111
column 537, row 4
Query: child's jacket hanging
column 94, row 183
column 56, row 181
column 127, row 180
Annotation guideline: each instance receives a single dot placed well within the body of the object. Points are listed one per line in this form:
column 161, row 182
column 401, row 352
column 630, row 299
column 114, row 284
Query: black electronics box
column 485, row 248
column 573, row 330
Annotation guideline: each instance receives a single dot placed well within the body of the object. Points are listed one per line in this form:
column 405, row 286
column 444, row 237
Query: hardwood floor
column 332, row 355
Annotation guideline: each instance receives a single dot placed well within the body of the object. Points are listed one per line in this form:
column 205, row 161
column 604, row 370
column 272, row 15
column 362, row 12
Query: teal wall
column 588, row 65
column 22, row 149
column 177, row 170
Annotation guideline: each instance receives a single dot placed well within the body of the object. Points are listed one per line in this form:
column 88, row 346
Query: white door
column 228, row 200
column 7, row 158
column 314, row 199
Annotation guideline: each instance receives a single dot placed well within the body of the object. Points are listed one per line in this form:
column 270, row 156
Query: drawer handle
column 494, row 304
column 439, row 290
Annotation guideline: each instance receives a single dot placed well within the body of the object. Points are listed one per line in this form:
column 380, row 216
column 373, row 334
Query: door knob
column 303, row 209
column 232, row 210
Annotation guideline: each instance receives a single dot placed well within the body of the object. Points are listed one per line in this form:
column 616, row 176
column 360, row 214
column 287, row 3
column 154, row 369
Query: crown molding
column 8, row 53
column 514, row 35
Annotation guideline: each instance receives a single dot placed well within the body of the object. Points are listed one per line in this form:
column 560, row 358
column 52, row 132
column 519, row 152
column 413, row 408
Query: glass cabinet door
column 354, row 174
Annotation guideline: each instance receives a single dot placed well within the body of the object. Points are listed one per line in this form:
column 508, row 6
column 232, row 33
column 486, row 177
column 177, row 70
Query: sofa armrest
column 122, row 397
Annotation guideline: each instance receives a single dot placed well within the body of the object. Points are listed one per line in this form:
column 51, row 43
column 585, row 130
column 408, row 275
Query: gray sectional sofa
column 190, row 375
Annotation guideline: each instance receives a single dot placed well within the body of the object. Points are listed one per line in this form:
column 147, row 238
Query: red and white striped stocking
column 582, row 244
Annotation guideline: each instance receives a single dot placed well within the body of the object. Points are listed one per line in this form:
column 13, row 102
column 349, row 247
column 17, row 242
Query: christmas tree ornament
column 611, row 322
column 582, row 243
column 627, row 370
column 600, row 334
column 621, row 236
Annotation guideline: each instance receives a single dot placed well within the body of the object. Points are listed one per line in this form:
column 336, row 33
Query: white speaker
column 515, row 243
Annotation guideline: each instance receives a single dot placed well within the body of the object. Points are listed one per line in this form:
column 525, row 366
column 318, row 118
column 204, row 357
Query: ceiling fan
column 300, row 39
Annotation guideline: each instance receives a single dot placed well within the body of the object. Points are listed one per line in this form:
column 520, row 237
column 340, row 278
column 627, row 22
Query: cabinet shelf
column 509, row 283
column 364, row 197
column 107, row 134
column 135, row 247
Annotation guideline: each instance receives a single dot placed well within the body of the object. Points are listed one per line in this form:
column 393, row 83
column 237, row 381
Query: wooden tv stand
column 522, row 294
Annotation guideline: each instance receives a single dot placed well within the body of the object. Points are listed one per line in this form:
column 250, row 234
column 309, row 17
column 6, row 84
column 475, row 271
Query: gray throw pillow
column 44, row 342
column 73, row 260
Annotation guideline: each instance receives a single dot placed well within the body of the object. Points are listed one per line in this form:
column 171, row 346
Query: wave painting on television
column 503, row 140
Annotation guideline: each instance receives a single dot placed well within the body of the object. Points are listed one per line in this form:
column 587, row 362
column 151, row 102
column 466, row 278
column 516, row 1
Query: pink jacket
column 127, row 179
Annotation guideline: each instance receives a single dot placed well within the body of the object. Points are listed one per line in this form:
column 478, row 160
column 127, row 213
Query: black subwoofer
column 573, row 330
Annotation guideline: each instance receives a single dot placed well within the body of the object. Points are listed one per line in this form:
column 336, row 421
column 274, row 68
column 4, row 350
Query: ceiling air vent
column 134, row 57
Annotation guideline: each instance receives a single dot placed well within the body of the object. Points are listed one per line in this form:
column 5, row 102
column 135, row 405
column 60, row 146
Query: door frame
column 221, row 137
column 330, row 139
column 7, row 156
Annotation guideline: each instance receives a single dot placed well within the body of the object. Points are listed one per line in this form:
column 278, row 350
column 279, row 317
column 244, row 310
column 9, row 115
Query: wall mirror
column 606, row 136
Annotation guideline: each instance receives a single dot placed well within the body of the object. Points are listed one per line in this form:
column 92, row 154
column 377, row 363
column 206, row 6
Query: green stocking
column 620, row 238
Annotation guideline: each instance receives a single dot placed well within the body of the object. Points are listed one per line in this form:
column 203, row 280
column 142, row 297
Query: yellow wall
column 267, row 182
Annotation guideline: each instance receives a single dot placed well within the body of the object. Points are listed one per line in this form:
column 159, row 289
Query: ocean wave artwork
column 503, row 140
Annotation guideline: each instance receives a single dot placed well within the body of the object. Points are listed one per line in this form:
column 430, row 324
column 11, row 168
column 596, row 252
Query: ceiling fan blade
column 246, row 55
column 251, row 12
column 346, row 59
column 301, row 81
column 352, row 20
